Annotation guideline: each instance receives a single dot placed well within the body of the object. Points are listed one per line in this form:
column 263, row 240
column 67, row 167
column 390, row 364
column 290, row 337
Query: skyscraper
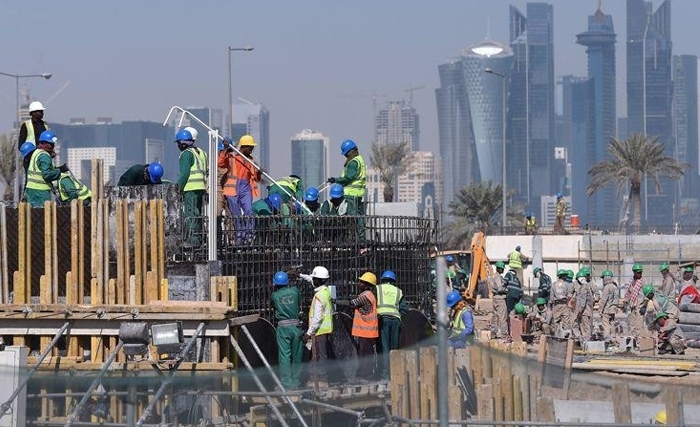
column 531, row 104
column 310, row 157
column 253, row 119
column 599, row 39
column 685, row 113
column 397, row 123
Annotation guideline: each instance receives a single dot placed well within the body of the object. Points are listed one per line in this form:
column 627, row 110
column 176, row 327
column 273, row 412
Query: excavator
column 481, row 271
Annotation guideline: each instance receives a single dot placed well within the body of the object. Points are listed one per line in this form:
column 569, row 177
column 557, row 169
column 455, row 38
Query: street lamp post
column 18, row 160
column 503, row 81
column 230, row 93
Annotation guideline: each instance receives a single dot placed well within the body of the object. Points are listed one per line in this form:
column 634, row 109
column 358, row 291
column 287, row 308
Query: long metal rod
column 166, row 382
column 8, row 403
column 441, row 296
column 259, row 383
column 105, row 366
column 273, row 375
column 477, row 422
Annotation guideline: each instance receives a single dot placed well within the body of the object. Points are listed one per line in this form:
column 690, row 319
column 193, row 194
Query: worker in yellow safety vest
column 391, row 306
column 515, row 263
column 34, row 126
column 192, row 183
column 69, row 188
column 320, row 325
column 354, row 177
column 42, row 172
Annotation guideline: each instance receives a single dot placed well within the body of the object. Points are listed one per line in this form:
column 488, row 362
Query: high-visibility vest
column 323, row 295
column 357, row 187
column 388, row 298
column 35, row 181
column 30, row 131
column 290, row 183
column 237, row 165
column 83, row 191
column 198, row 171
column 458, row 326
column 514, row 260
column 366, row 325
column 530, row 223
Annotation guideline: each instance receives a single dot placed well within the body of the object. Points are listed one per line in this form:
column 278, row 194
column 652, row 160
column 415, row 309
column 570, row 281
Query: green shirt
column 48, row 171
column 262, row 208
column 285, row 301
column 186, row 161
column 327, row 208
column 352, row 171
column 135, row 176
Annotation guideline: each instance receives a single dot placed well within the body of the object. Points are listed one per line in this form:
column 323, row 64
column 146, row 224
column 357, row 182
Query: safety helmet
column 519, row 308
column 280, row 279
column 247, row 140
column 570, row 274
column 369, row 277
column 541, row 301
column 536, row 270
column 36, row 106
column 192, row 131
column 500, row 264
column 453, row 297
column 155, row 171
column 660, row 417
column 311, row 194
column 561, row 272
column 389, row 275
column 184, row 135
column 220, row 146
column 517, row 248
column 689, row 270
column 27, row 148
column 606, row 273
column 648, row 290
column 559, row 196
column 275, row 200
column 347, row 145
column 663, row 266
column 585, row 271
column 320, row 272
column 637, row 267
column 660, row 315
column 337, row 191
column 48, row 136
column 528, row 214
column 449, row 258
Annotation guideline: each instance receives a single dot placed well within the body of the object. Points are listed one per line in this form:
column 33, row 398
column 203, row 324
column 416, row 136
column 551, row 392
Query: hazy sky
column 134, row 59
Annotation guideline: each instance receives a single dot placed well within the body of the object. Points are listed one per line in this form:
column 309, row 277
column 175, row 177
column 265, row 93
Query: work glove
column 63, row 168
column 331, row 180
column 306, row 338
column 342, row 302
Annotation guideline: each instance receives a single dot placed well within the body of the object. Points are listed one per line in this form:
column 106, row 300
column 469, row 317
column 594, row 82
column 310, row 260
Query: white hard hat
column 192, row 130
column 36, row 106
column 320, row 272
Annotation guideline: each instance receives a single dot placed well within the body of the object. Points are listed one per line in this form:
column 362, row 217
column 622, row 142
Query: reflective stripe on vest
column 198, row 170
column 366, row 325
column 388, row 298
column 83, row 191
column 514, row 260
column 35, row 181
column 323, row 295
column 512, row 282
column 357, row 187
column 30, row 131
column 458, row 326
column 231, row 177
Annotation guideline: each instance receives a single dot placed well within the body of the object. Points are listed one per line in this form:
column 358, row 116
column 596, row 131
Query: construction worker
column 461, row 281
column 499, row 319
column 320, row 325
column 515, row 263
column 540, row 318
column 36, row 125
column 42, row 172
column 560, row 211
column 608, row 303
column 660, row 418
column 338, row 204
column 562, row 292
column 26, row 151
column 670, row 338
column 660, row 302
column 70, row 188
column 148, row 174
column 668, row 282
column 635, row 303
column 689, row 293
column 583, row 305
column 353, row 178
column 241, row 185
column 268, row 206
column 461, row 321
column 545, row 283
column 515, row 290
column 391, row 306
column 285, row 301
column 311, row 200
column 288, row 187
column 365, row 323
column 530, row 224
column 192, row 184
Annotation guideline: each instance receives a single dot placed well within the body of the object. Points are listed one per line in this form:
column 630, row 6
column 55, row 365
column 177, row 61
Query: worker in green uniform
column 391, row 306
column 147, row 174
column 353, row 178
column 285, row 302
column 267, row 206
column 192, row 183
column 286, row 187
column 70, row 188
column 42, row 172
column 338, row 204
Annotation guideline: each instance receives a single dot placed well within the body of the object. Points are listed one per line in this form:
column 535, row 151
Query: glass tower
column 685, row 112
column 310, row 157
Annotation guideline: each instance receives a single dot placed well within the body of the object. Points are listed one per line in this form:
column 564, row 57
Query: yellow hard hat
column 660, row 417
column 369, row 278
column 246, row 140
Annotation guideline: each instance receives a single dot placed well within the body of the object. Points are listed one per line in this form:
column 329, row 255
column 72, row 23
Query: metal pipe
column 171, row 374
column 8, row 403
column 105, row 366
column 442, row 319
column 272, row 374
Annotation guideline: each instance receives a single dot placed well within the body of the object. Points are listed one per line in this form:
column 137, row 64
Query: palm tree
column 631, row 160
column 390, row 160
column 8, row 154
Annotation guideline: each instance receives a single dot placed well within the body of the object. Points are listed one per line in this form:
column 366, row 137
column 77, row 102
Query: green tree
column 390, row 160
column 8, row 155
column 630, row 161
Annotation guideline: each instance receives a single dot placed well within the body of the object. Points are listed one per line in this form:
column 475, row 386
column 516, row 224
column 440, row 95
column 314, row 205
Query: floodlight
column 167, row 337
column 134, row 335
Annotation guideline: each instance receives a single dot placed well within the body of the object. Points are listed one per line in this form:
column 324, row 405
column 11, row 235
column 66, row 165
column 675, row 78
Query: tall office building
column 599, row 39
column 685, row 113
column 310, row 157
column 253, row 119
column 397, row 123
column 650, row 92
column 531, row 104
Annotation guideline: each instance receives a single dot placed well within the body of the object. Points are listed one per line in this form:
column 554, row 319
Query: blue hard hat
column 183, row 135
column 276, row 200
column 389, row 275
column 528, row 214
column 559, row 195
column 280, row 279
column 517, row 248
column 155, row 171
column 337, row 191
column 347, row 145
column 27, row 148
column 48, row 137
column 449, row 258
column 220, row 146
column 297, row 207
column 453, row 298
column 311, row 194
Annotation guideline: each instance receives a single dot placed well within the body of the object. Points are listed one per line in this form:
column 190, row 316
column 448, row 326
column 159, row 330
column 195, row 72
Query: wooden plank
column 153, row 307
column 517, row 399
column 454, row 403
column 141, row 297
column 4, row 266
column 569, row 358
column 412, row 383
column 151, row 286
column 673, row 400
column 399, row 395
column 161, row 244
column 45, row 280
column 498, row 399
column 484, row 400
column 21, row 279
column 80, row 253
column 98, row 189
column 127, row 257
column 132, row 290
column 112, row 293
column 75, row 253
column 122, row 278
column 163, row 290
column 54, row 275
column 105, row 246
column 153, row 237
column 545, row 409
column 621, row 403
column 475, row 360
column 542, row 350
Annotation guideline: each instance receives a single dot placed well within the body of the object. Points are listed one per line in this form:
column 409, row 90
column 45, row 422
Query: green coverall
column 285, row 301
column 50, row 173
column 192, row 201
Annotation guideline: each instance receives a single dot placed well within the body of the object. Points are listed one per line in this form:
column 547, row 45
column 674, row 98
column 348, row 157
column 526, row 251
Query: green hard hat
column 689, row 269
column 606, row 273
column 536, row 269
column 561, row 272
column 648, row 290
column 663, row 266
column 637, row 267
column 585, row 271
column 519, row 308
column 500, row 264
column 660, row 315
column 570, row 274
column 541, row 301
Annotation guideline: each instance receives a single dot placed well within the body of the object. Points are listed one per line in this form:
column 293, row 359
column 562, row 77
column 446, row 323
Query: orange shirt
column 240, row 173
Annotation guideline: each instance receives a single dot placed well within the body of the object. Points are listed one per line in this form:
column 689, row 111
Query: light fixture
column 167, row 337
column 134, row 335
